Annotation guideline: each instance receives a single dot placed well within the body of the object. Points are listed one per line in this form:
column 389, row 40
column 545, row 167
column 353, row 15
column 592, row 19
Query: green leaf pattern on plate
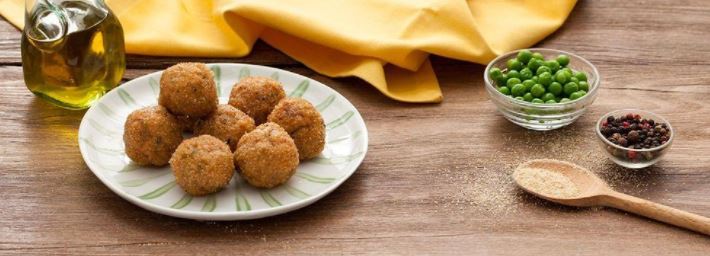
column 269, row 199
column 154, row 86
column 353, row 136
column 141, row 182
column 275, row 76
column 296, row 192
column 130, row 167
column 107, row 151
column 184, row 201
column 340, row 121
column 126, row 98
column 244, row 72
column 337, row 159
column 217, row 71
column 313, row 178
column 159, row 191
column 210, row 204
column 300, row 90
column 108, row 112
column 326, row 103
column 241, row 202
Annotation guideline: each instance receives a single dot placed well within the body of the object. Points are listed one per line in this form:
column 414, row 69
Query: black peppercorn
column 632, row 131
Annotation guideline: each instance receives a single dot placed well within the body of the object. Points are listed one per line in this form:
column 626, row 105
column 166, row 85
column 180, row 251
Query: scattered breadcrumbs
column 484, row 184
column 545, row 182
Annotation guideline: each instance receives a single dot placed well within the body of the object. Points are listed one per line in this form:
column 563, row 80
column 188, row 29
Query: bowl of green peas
column 541, row 89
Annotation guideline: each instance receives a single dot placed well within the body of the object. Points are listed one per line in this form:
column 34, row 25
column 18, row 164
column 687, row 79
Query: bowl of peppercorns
column 541, row 89
column 634, row 138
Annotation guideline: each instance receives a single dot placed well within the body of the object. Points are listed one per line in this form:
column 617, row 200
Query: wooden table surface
column 436, row 178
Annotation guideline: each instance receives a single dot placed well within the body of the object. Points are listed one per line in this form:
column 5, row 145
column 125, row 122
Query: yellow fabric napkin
column 384, row 42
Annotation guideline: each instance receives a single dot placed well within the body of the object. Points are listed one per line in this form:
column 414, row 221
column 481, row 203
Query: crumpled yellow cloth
column 384, row 42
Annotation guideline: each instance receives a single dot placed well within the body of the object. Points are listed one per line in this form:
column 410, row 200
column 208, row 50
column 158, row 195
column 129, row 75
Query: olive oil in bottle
column 72, row 51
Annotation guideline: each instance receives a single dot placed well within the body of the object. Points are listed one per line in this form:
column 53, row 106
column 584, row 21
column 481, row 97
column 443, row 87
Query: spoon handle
column 658, row 212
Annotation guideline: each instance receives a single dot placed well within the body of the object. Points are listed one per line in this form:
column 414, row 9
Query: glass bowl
column 634, row 158
column 543, row 117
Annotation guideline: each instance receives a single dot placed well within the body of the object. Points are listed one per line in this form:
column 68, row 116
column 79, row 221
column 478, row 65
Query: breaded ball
column 227, row 124
column 188, row 89
column 256, row 96
column 202, row 165
column 266, row 156
column 303, row 123
column 151, row 135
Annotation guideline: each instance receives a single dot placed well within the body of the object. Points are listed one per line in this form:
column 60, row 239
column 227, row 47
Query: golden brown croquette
column 188, row 89
column 202, row 165
column 227, row 124
column 150, row 135
column 303, row 123
column 256, row 96
column 266, row 156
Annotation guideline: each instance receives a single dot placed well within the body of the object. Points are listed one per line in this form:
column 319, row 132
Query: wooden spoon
column 595, row 192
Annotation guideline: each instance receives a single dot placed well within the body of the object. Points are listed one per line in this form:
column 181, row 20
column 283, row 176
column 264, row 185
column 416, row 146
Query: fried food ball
column 256, row 96
column 188, row 89
column 303, row 123
column 227, row 124
column 151, row 135
column 202, row 165
column 266, row 156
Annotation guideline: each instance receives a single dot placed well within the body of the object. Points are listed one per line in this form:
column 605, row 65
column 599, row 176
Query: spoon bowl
column 593, row 191
column 589, row 185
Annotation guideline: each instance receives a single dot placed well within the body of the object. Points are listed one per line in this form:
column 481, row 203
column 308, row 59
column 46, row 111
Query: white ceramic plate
column 101, row 145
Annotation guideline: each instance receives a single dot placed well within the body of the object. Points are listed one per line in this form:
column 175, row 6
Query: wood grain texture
column 424, row 185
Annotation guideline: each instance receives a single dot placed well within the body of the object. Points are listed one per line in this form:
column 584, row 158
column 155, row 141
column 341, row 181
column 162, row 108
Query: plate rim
column 231, row 215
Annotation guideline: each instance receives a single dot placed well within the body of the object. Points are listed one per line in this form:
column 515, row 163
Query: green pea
column 512, row 81
column 518, row 90
column 537, row 90
column 570, row 88
column 528, row 97
column 548, row 96
column 495, row 73
column 519, row 98
column 545, row 78
column 552, row 101
column 577, row 95
column 555, row 88
column 525, row 55
column 553, row 65
column 534, row 64
column 528, row 84
column 514, row 64
column 543, row 69
column 535, row 79
column 537, row 101
column 504, row 90
column 568, row 70
column 563, row 100
column 583, row 85
column 538, row 56
column 581, row 76
column 562, row 76
column 502, row 80
column 525, row 74
column 563, row 60
column 573, row 79
column 513, row 74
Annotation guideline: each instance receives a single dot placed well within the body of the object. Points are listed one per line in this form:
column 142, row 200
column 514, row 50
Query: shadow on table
column 313, row 219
